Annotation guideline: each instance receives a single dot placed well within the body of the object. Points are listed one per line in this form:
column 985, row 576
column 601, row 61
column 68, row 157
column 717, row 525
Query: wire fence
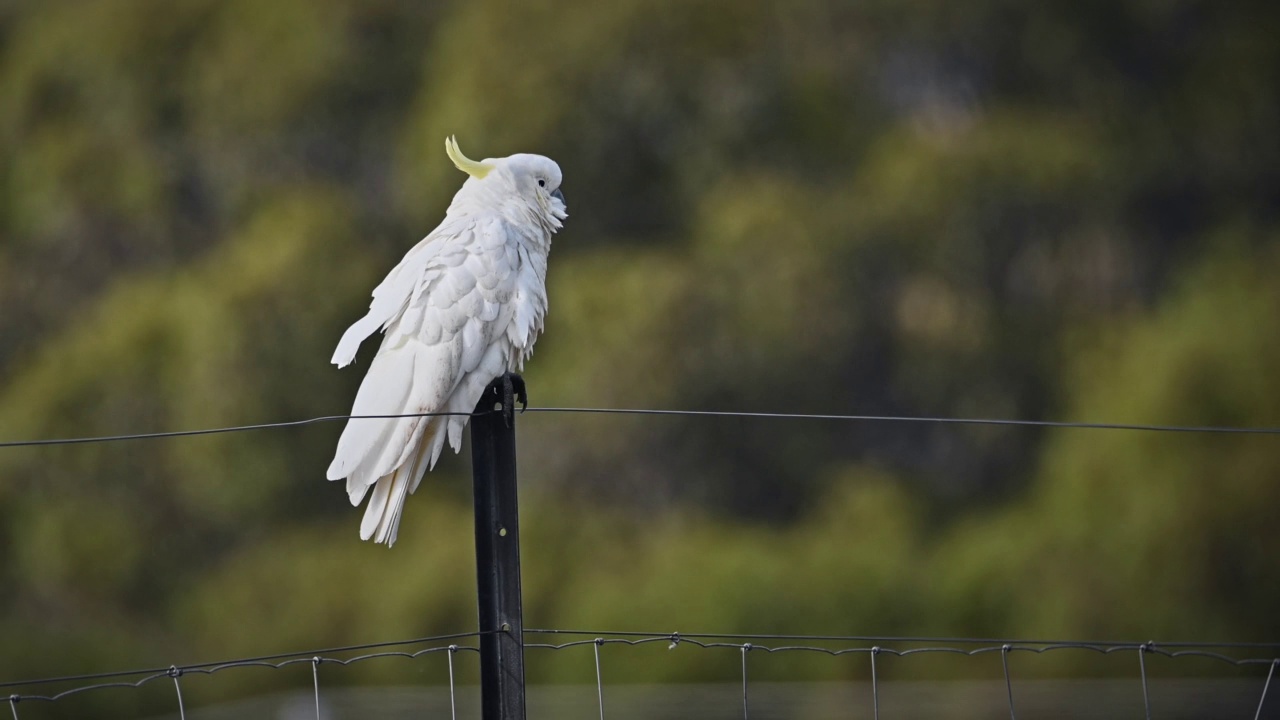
column 744, row 645
column 316, row 658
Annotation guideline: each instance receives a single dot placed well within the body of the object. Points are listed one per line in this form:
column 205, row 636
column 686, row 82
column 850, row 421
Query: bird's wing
column 442, row 332
column 405, row 280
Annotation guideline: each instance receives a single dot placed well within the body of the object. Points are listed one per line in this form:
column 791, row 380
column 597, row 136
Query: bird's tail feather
column 386, row 504
column 382, row 517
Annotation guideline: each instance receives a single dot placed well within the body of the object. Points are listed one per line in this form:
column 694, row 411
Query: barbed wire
column 744, row 644
column 1207, row 429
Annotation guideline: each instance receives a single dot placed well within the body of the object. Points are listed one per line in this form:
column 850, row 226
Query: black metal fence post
column 493, row 463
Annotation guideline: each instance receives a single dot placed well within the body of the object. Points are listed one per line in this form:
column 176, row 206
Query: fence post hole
column 493, row 464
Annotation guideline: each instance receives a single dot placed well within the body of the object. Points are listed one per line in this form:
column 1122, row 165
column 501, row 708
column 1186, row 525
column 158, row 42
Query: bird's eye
column 542, row 183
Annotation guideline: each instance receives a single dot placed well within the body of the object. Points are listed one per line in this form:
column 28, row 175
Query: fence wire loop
column 1143, row 649
column 599, row 681
column 453, row 701
column 875, row 685
column 315, row 680
column 746, row 648
column 175, row 672
column 13, row 704
column 1008, row 683
column 675, row 640
column 1265, row 686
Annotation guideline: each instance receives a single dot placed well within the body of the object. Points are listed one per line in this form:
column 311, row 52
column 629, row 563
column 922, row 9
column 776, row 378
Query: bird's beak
column 558, row 195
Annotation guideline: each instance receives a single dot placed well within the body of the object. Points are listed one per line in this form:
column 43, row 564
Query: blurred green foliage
column 1058, row 210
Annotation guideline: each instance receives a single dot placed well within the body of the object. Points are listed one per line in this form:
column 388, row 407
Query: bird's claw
column 513, row 389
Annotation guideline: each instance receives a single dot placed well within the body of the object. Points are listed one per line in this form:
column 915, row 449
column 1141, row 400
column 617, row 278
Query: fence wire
column 744, row 645
column 1210, row 429
column 976, row 646
column 315, row 658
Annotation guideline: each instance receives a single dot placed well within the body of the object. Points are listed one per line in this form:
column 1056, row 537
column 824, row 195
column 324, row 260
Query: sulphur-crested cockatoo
column 462, row 309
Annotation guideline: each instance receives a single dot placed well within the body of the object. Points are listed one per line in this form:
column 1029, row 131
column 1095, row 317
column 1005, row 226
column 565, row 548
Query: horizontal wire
column 924, row 419
column 631, row 638
column 905, row 639
column 676, row 639
column 197, row 667
column 176, row 672
column 642, row 411
column 214, row 431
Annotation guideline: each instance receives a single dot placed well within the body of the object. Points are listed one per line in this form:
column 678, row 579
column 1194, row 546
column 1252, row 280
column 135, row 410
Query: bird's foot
column 513, row 389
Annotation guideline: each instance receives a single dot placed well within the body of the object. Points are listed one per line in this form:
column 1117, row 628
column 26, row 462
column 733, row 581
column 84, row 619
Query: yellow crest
column 475, row 169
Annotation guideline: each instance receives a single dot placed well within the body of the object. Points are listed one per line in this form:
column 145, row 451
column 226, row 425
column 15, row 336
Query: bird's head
column 519, row 182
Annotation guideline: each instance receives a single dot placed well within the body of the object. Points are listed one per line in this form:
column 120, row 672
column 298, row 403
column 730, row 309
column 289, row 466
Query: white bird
column 462, row 309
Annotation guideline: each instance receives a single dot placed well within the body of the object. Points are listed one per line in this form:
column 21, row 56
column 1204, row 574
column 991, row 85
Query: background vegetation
column 1059, row 210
